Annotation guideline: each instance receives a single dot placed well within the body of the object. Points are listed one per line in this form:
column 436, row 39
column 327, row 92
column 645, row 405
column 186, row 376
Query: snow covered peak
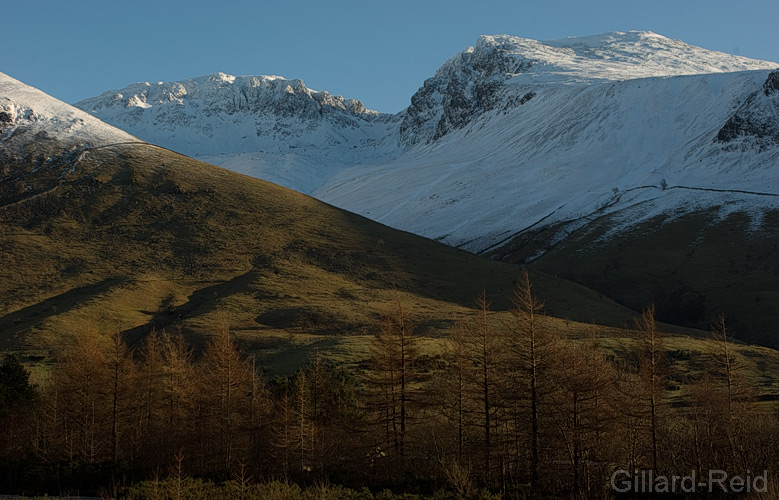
column 224, row 77
column 503, row 71
column 27, row 112
column 221, row 113
column 608, row 56
column 230, row 94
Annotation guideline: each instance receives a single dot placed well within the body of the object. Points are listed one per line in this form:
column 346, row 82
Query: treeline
column 510, row 408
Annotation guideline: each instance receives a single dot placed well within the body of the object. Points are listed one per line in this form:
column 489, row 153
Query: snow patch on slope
column 679, row 202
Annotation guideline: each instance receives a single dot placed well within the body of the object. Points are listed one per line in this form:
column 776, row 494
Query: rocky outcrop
column 771, row 84
column 221, row 93
column 466, row 86
column 754, row 125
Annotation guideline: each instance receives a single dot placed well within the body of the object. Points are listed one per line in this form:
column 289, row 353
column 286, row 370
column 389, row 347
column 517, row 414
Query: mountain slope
column 516, row 147
column 566, row 153
column 127, row 236
column 712, row 260
column 28, row 114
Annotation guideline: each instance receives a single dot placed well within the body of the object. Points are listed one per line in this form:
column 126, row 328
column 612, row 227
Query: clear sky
column 378, row 52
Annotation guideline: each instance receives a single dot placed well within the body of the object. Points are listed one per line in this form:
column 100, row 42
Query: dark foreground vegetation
column 198, row 489
column 510, row 410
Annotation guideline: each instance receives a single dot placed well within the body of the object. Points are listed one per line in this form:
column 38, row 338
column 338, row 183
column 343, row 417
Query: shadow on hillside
column 202, row 300
column 14, row 324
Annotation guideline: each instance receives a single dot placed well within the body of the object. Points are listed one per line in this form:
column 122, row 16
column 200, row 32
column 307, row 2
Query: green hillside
column 130, row 237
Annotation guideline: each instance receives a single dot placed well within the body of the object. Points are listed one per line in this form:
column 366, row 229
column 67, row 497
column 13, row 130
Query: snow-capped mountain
column 257, row 122
column 224, row 114
column 546, row 153
column 514, row 134
column 487, row 75
column 29, row 115
column 507, row 135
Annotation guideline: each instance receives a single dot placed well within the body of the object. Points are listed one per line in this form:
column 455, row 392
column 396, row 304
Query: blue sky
column 378, row 52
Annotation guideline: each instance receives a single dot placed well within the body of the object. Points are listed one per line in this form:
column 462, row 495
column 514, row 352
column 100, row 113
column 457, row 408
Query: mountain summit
column 610, row 56
column 486, row 75
column 220, row 113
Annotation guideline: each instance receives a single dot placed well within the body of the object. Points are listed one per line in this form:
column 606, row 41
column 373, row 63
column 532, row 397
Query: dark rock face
column 755, row 123
column 285, row 99
column 468, row 85
column 771, row 84
column 735, row 127
column 525, row 98
column 518, row 100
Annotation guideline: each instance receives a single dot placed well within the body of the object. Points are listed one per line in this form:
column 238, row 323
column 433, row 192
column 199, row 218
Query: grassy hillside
column 132, row 236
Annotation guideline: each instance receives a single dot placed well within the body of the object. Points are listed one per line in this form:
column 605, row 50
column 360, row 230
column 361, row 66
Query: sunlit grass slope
column 129, row 237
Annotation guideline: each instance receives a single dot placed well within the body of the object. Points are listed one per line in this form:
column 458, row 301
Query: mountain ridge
column 274, row 109
column 471, row 82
